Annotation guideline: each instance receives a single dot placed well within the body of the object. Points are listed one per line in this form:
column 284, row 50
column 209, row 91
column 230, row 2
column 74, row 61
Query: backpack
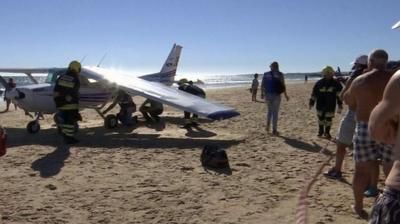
column 278, row 85
column 275, row 84
column 214, row 157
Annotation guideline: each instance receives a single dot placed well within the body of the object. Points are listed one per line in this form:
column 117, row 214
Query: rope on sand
column 302, row 207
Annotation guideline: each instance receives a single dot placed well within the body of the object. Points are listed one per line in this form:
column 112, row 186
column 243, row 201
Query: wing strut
column 31, row 78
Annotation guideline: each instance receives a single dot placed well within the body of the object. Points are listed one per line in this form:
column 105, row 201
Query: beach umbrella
column 397, row 25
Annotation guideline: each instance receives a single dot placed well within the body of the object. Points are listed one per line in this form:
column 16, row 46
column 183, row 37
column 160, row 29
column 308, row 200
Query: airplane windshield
column 53, row 75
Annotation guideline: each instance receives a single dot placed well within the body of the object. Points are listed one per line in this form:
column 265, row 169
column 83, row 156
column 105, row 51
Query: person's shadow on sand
column 198, row 132
column 298, row 144
column 52, row 163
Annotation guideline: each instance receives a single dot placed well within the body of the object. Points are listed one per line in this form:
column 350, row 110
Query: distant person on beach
column 273, row 85
column 348, row 123
column 364, row 94
column 306, row 78
column 12, row 85
column 254, row 88
column 151, row 110
column 127, row 108
column 325, row 95
column 189, row 87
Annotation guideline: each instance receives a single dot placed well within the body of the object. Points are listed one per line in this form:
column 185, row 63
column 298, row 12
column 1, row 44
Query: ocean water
column 224, row 81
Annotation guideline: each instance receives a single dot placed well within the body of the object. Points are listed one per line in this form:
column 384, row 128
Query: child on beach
column 254, row 88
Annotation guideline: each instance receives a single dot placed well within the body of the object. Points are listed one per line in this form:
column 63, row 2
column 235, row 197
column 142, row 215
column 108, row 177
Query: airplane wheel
column 110, row 121
column 33, row 127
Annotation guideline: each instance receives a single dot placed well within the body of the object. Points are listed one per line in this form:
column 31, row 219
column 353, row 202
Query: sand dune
column 152, row 173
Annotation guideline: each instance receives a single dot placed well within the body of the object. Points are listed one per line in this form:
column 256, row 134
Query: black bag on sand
column 214, row 157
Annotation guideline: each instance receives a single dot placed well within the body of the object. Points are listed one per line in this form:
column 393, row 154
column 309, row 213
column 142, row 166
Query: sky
column 221, row 37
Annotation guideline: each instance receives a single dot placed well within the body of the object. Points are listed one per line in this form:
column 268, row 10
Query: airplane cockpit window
column 53, row 75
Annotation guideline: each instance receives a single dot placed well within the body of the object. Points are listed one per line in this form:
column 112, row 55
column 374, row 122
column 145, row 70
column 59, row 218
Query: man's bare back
column 366, row 92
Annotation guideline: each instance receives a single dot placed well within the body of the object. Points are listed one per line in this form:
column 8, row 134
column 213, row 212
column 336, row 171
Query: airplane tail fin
column 171, row 64
column 168, row 71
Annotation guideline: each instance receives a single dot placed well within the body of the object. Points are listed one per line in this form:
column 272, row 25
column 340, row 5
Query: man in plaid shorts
column 384, row 126
column 364, row 94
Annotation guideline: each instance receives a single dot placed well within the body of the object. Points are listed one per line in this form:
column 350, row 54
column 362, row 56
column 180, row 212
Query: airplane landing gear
column 33, row 127
column 110, row 121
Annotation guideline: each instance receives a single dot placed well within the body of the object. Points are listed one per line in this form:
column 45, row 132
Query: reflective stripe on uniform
column 71, row 106
column 68, row 126
column 67, row 133
column 67, row 84
column 329, row 114
column 68, row 129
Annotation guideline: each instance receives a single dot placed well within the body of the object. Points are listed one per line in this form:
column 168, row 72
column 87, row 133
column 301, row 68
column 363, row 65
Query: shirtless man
column 364, row 94
column 384, row 126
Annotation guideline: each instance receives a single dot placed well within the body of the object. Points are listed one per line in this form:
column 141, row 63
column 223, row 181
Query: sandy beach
column 152, row 173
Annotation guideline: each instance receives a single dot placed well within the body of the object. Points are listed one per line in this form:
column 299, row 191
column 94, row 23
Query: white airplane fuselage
column 39, row 97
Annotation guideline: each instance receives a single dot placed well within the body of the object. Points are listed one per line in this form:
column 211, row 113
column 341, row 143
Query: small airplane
column 99, row 86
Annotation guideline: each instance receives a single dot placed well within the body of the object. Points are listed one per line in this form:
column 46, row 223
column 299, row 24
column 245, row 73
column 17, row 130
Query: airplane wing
column 162, row 93
column 25, row 70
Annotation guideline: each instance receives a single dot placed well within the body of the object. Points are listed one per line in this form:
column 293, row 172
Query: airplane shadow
column 180, row 121
column 198, row 132
column 98, row 137
column 52, row 163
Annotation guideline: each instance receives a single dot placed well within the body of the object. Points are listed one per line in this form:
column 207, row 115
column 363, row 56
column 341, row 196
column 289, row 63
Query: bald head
column 378, row 59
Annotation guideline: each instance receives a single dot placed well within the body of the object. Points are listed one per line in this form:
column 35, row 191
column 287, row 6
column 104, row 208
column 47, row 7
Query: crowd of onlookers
column 369, row 127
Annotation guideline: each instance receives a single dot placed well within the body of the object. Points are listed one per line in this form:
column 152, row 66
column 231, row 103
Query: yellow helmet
column 74, row 66
column 328, row 70
column 182, row 81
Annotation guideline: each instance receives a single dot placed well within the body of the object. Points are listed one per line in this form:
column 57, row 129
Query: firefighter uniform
column 66, row 98
column 326, row 95
column 127, row 108
column 195, row 90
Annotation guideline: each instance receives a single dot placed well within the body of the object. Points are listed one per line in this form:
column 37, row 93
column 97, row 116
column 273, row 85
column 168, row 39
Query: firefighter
column 127, row 108
column 189, row 87
column 326, row 94
column 66, row 98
